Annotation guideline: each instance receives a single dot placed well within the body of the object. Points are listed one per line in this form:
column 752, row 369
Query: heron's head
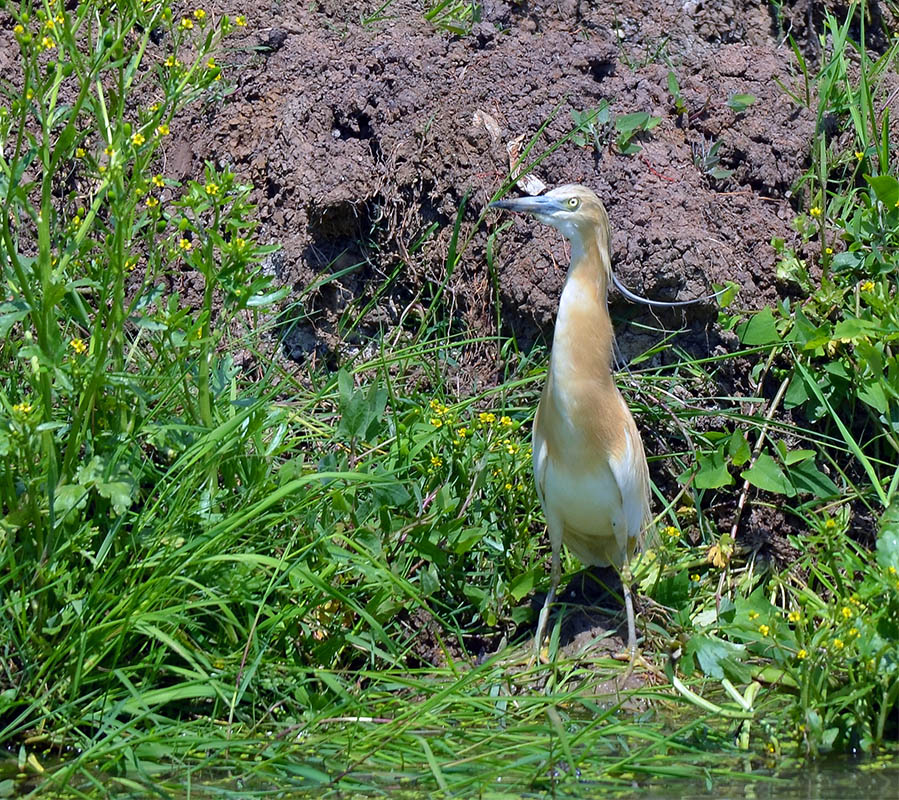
column 575, row 211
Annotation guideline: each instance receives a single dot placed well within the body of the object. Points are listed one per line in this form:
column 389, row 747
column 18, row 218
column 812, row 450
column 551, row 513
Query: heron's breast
column 586, row 501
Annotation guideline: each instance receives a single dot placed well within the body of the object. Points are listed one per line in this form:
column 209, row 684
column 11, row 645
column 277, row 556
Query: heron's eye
column 572, row 203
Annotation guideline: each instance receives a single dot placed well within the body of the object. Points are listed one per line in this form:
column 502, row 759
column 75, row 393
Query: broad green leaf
column 796, row 394
column 740, row 102
column 807, row 335
column 847, row 260
column 759, row 329
column 353, row 407
column 674, row 590
column 806, row 477
column 870, row 355
column 795, row 456
column 638, row 121
column 391, row 494
column 673, row 85
column 886, row 187
column 767, row 475
column 430, row 582
column 119, row 493
column 874, row 395
column 738, row 449
column 11, row 313
column 523, row 585
column 715, row 656
column 267, row 298
column 626, row 147
column 713, row 472
column 791, row 269
column 730, row 289
column 848, row 330
column 67, row 497
column 888, row 537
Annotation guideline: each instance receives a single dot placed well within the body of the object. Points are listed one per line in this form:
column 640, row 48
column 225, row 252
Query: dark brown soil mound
column 364, row 139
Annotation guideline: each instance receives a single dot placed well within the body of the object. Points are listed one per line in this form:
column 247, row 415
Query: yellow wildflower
column 199, row 14
column 512, row 448
column 802, row 654
column 436, row 422
column 815, row 211
column 186, row 23
column 838, row 644
column 158, row 181
column 23, row 408
column 671, row 532
column 505, row 421
column 152, row 202
column 846, row 612
column 753, row 615
column 212, row 189
column 78, row 346
column 695, row 577
column 436, row 461
column 185, row 244
column 138, row 139
column 240, row 20
column 867, row 286
column 764, row 630
column 163, row 130
column 794, row 616
column 487, row 417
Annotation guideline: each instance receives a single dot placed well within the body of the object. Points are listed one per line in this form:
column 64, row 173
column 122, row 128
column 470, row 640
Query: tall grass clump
column 118, row 406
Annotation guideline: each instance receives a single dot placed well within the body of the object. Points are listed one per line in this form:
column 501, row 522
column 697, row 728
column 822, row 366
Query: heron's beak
column 540, row 205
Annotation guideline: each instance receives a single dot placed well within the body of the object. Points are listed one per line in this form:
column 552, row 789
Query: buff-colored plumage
column 589, row 464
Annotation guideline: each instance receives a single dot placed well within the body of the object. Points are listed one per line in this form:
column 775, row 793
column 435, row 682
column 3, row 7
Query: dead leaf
column 529, row 183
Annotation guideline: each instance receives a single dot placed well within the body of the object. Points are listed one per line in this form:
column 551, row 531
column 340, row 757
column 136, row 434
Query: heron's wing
column 628, row 465
column 539, row 449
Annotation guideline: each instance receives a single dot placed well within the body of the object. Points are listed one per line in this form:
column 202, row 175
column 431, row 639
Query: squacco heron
column 589, row 465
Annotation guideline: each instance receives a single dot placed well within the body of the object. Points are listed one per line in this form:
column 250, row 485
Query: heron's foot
column 634, row 658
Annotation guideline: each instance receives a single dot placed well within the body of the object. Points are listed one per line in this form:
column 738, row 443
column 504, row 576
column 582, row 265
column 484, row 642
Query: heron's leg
column 631, row 621
column 631, row 655
column 556, row 577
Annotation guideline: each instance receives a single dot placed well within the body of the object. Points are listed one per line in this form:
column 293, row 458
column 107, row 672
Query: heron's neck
column 582, row 342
